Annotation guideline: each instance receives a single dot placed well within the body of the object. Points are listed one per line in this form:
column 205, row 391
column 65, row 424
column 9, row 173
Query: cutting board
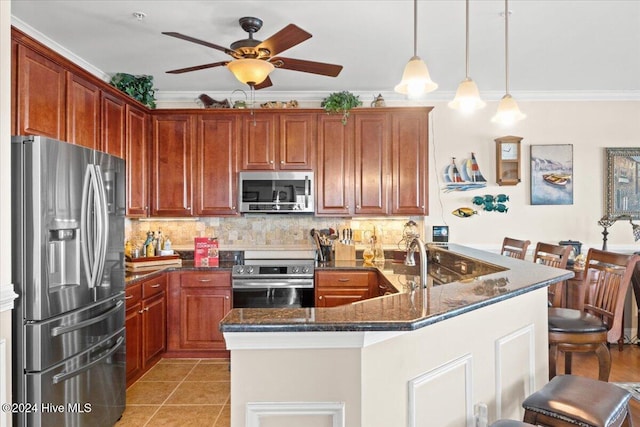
column 151, row 263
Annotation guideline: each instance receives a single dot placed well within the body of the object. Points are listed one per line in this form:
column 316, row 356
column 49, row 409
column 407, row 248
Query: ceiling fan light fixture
column 250, row 71
column 416, row 80
column 508, row 112
column 467, row 98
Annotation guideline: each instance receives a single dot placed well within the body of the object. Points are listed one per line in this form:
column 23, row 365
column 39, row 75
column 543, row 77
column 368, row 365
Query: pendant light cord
column 506, row 45
column 467, row 40
column 415, row 28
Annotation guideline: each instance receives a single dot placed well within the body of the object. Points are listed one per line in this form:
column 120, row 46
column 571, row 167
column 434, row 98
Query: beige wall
column 588, row 125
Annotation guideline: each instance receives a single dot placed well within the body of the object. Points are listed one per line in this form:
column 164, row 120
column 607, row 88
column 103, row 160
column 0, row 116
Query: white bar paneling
column 257, row 412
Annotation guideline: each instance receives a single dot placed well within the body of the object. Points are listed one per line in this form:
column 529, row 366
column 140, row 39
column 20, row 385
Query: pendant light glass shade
column 508, row 112
column 415, row 79
column 250, row 71
column 467, row 98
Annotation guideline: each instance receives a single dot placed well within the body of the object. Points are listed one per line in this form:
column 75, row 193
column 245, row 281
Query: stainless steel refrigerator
column 68, row 207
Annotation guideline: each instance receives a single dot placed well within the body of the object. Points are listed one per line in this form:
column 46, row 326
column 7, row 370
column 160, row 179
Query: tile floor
column 180, row 392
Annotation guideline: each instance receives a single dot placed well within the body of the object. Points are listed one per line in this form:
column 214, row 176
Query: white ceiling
column 556, row 46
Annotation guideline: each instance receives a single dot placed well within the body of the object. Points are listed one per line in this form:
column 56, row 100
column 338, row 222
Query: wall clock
column 508, row 160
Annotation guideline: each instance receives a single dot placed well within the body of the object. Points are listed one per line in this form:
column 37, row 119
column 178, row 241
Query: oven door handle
column 265, row 284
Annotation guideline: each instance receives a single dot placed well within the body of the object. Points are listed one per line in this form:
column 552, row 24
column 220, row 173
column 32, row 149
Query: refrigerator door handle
column 59, row 330
column 102, row 213
column 93, row 225
column 63, row 376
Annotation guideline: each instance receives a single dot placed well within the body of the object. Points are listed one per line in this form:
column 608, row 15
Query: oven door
column 273, row 293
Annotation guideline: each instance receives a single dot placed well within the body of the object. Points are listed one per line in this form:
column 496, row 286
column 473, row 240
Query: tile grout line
column 170, row 394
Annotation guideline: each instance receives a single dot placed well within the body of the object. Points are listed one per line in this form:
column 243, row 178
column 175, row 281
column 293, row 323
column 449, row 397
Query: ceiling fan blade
column 331, row 70
column 198, row 41
column 284, row 39
column 265, row 83
column 198, row 67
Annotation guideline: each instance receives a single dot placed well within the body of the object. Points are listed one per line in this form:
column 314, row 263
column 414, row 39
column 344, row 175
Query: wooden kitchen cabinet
column 83, row 112
column 41, row 95
column 215, row 165
column 409, row 162
column 171, row 156
column 339, row 287
column 376, row 164
column 353, row 165
column 198, row 302
column 278, row 141
column 146, row 325
column 113, row 129
column 137, row 156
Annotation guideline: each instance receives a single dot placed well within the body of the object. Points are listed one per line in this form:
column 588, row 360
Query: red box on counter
column 205, row 253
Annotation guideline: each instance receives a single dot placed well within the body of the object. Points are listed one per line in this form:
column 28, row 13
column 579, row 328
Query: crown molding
column 58, row 48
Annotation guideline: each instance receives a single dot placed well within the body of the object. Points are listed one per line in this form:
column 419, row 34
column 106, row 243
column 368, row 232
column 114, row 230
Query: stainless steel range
column 274, row 279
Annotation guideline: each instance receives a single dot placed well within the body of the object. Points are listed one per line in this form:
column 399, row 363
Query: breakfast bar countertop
column 411, row 308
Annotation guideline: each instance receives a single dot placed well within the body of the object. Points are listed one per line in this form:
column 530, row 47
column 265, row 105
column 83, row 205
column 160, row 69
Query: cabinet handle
column 128, row 296
column 347, row 206
column 320, row 297
column 204, row 280
column 141, row 311
column 282, row 162
column 157, row 285
column 226, row 297
column 146, row 309
column 344, row 279
column 270, row 162
column 357, row 206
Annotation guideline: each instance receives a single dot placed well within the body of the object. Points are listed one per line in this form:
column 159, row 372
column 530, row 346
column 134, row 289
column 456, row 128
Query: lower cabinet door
column 154, row 321
column 133, row 328
column 336, row 297
column 201, row 310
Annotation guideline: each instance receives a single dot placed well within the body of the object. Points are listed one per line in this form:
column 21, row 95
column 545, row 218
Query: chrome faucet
column 410, row 259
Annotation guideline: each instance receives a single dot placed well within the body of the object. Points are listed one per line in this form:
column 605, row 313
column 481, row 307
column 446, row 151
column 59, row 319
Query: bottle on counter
column 128, row 249
column 167, row 244
column 159, row 242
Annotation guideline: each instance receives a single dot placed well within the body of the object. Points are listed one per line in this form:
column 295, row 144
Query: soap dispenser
column 378, row 252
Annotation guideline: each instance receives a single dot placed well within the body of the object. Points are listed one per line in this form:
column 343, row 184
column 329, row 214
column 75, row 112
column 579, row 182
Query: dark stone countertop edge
column 523, row 276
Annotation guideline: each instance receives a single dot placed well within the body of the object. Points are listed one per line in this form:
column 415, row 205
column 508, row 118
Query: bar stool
column 569, row 400
column 514, row 248
column 554, row 256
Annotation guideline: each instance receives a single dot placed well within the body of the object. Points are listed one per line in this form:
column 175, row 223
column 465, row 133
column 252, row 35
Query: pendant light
column 467, row 98
column 508, row 112
column 415, row 79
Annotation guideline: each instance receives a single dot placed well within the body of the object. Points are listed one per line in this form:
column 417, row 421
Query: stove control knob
column 249, row 270
column 295, row 270
column 305, row 270
column 240, row 270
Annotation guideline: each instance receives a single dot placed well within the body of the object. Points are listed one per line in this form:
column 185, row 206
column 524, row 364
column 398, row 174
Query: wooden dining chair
column 553, row 256
column 590, row 330
column 514, row 248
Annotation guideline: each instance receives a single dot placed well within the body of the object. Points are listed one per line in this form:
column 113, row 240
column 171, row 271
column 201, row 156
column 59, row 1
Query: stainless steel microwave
column 276, row 192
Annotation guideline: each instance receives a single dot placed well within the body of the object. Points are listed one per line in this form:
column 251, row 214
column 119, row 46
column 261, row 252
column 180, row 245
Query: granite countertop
column 130, row 277
column 410, row 308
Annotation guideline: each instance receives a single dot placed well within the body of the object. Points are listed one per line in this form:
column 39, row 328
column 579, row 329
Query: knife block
column 344, row 252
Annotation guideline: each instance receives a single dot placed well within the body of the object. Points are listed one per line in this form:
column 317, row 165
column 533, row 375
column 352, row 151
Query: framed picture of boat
column 552, row 174
column 623, row 182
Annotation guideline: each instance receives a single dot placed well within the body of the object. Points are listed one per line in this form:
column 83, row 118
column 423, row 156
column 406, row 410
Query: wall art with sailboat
column 467, row 177
column 552, row 174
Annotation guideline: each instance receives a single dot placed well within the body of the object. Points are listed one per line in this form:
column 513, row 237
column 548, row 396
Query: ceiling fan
column 253, row 59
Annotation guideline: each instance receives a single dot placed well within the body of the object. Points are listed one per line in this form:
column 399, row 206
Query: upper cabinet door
column 409, row 154
column 83, row 112
column 372, row 163
column 216, row 165
column 138, row 171
column 334, row 173
column 113, row 125
column 40, row 95
column 297, row 141
column 259, row 141
column 171, row 155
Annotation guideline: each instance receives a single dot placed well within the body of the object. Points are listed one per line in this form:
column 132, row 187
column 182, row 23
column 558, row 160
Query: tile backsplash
column 262, row 230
